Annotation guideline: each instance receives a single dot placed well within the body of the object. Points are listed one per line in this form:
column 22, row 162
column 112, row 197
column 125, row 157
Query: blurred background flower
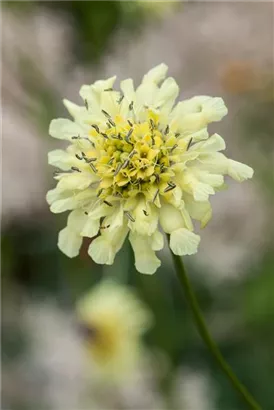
column 49, row 50
column 112, row 321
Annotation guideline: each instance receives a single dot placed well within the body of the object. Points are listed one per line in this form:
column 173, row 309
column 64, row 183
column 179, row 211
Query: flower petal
column 69, row 242
column 214, row 109
column 60, row 159
column 62, row 128
column 170, row 218
column 145, row 258
column 101, row 251
column 212, row 144
column 184, row 242
column 238, row 171
column 157, row 241
column 90, row 228
column 156, row 74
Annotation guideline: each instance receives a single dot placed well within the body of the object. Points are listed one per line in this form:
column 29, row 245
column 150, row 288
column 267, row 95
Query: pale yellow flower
column 138, row 165
column 113, row 320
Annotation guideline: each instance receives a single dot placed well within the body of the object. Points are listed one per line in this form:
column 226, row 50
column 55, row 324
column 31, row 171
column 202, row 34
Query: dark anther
column 189, row 144
column 130, row 107
column 106, row 114
column 75, row 169
column 156, row 194
column 93, row 168
column 96, row 128
column 130, row 217
column 107, row 203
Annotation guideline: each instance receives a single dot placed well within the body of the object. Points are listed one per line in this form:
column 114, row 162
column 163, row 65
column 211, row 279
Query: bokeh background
column 49, row 49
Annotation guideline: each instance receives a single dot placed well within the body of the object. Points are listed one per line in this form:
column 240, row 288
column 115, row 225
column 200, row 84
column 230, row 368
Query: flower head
column 138, row 165
column 113, row 320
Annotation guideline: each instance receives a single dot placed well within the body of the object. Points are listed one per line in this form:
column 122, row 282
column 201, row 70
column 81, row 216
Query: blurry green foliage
column 93, row 22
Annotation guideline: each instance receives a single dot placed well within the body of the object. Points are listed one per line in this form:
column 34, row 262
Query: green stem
column 204, row 333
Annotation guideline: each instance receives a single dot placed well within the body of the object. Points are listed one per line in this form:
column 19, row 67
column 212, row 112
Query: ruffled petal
column 77, row 220
column 168, row 92
column 77, row 180
column 170, row 218
column 90, row 228
column 146, row 218
column 62, row 205
column 238, row 171
column 212, row 144
column 60, row 159
column 184, row 242
column 201, row 211
column 69, row 242
column 101, row 251
column 145, row 258
column 156, row 74
column 214, row 109
column 64, row 129
column 157, row 241
column 104, row 248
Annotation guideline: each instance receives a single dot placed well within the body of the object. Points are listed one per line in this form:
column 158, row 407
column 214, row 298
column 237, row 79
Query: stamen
column 86, row 104
column 93, row 168
column 120, row 99
column 104, row 135
column 79, row 157
column 130, row 107
column 189, row 144
column 99, row 192
column 130, row 123
column 155, row 196
column 96, row 128
column 117, row 169
column 128, row 135
column 107, row 203
column 167, row 130
column 89, row 160
column 145, row 212
column 106, row 114
column 86, row 213
column 108, row 89
column 105, row 227
column 125, row 164
column 112, row 122
column 75, row 169
column 177, row 134
column 130, row 217
column 132, row 153
column 170, row 186
column 174, row 147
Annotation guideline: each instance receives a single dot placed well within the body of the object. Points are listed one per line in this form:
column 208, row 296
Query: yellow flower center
column 103, row 339
column 133, row 157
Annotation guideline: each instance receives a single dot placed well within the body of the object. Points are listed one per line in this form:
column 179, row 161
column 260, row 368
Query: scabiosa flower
column 138, row 165
column 113, row 321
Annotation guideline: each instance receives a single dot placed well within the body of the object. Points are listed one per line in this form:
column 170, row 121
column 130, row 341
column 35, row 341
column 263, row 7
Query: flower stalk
column 205, row 335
